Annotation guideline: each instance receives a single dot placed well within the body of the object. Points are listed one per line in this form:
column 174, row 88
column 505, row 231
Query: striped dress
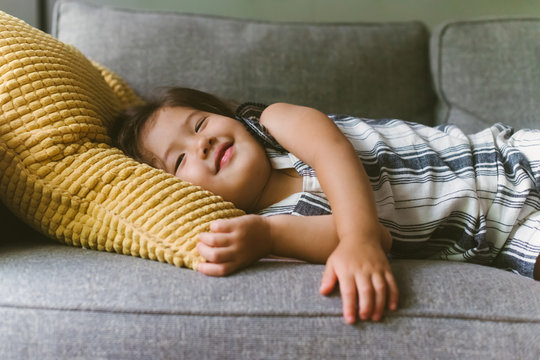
column 441, row 194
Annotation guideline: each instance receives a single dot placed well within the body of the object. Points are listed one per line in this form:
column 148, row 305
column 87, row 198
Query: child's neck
column 281, row 184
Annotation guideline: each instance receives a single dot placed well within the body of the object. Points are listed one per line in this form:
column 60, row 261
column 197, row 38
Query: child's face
column 209, row 150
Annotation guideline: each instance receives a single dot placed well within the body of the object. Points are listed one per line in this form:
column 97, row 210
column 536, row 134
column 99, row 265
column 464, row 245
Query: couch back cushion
column 488, row 71
column 373, row 70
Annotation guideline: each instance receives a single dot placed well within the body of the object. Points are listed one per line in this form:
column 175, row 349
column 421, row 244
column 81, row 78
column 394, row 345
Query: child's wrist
column 268, row 234
column 386, row 239
column 369, row 234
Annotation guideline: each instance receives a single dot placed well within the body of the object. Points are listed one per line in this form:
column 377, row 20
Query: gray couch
column 59, row 302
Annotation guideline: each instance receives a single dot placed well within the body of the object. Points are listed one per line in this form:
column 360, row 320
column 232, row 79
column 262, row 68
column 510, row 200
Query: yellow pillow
column 58, row 171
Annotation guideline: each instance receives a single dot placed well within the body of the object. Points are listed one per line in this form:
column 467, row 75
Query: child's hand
column 233, row 244
column 365, row 280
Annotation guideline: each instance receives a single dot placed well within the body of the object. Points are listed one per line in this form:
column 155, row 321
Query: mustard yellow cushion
column 58, row 171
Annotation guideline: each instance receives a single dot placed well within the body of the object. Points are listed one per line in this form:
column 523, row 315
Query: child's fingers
column 227, row 225
column 215, row 254
column 393, row 292
column 347, row 288
column 365, row 296
column 379, row 284
column 328, row 281
column 215, row 239
column 211, row 269
column 223, row 225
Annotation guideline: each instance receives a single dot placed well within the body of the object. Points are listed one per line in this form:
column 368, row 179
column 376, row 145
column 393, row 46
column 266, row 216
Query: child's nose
column 205, row 145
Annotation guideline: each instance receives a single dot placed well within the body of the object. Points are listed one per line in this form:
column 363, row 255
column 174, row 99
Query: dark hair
column 127, row 128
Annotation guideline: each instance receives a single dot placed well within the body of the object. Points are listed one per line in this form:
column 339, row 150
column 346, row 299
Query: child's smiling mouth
column 223, row 155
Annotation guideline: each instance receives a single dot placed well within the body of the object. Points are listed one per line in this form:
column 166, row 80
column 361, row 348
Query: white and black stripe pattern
column 443, row 194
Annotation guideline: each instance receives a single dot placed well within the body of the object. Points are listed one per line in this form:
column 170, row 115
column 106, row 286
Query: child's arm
column 236, row 243
column 358, row 263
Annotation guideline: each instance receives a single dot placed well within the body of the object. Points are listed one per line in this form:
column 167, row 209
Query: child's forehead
column 166, row 119
column 166, row 122
column 174, row 114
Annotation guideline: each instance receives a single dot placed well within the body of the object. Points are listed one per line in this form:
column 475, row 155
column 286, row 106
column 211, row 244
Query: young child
column 394, row 187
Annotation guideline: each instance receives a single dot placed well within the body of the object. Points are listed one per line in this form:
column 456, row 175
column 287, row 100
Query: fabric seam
column 275, row 315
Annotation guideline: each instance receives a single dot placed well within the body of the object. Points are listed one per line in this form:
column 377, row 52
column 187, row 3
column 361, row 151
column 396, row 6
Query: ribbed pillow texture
column 59, row 172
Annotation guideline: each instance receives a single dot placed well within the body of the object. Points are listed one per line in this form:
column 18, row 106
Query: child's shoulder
column 250, row 110
column 249, row 114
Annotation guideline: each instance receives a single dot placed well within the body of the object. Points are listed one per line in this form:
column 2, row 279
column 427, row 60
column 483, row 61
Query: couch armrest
column 486, row 71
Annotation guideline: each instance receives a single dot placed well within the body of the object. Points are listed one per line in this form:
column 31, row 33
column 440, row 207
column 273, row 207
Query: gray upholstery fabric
column 96, row 281
column 62, row 302
column 57, row 335
column 373, row 70
column 488, row 71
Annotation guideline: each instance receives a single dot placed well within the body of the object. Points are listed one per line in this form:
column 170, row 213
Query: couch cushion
column 84, row 304
column 373, row 70
column 488, row 71
column 58, row 171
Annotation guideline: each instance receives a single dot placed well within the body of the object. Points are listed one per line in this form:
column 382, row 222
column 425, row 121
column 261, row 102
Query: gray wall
column 28, row 10
column 431, row 12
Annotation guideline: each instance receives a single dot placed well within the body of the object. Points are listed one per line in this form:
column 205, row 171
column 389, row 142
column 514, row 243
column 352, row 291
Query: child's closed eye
column 200, row 124
column 178, row 162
